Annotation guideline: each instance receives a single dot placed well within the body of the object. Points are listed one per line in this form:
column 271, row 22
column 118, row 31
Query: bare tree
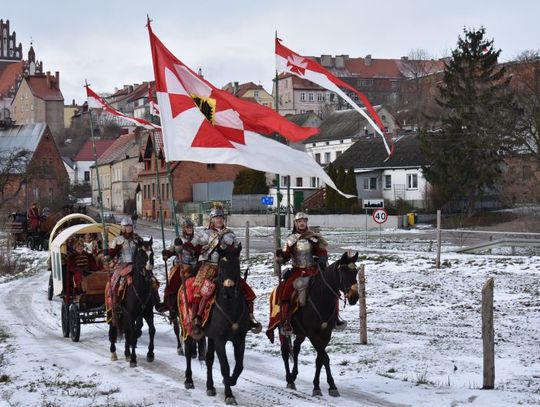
column 14, row 170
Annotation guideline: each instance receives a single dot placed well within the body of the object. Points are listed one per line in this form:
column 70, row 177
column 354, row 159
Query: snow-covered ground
column 424, row 333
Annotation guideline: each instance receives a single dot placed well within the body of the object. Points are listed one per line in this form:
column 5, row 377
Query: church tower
column 9, row 51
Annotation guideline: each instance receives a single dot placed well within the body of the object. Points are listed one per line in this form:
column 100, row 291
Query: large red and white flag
column 306, row 68
column 96, row 101
column 205, row 124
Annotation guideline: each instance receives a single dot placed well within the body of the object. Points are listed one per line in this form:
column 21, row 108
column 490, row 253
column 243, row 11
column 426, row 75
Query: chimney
column 367, row 60
column 48, row 76
column 235, row 87
column 326, row 61
column 57, row 79
column 404, row 58
column 340, row 60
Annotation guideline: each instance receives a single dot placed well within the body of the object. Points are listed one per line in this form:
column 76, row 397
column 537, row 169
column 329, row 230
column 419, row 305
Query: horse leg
column 210, row 354
column 201, row 348
column 188, row 344
column 285, row 352
column 151, row 332
column 239, row 348
column 176, row 329
column 332, row 389
column 112, row 339
column 225, row 371
column 316, row 380
column 133, row 342
column 296, row 351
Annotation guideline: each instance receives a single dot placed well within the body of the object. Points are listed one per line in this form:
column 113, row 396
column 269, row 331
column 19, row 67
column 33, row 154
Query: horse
column 318, row 317
column 136, row 305
column 228, row 321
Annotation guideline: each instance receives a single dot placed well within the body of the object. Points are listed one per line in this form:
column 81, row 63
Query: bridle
column 232, row 284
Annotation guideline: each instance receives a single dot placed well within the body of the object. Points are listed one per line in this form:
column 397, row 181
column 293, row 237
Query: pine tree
column 330, row 193
column 250, row 181
column 341, row 201
column 349, row 187
column 465, row 156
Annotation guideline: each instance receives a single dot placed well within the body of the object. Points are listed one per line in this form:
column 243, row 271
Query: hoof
column 180, row 351
column 114, row 357
column 316, row 393
column 201, row 357
column 189, row 385
column 291, row 386
column 211, row 392
column 333, row 392
column 132, row 364
column 230, row 401
column 149, row 358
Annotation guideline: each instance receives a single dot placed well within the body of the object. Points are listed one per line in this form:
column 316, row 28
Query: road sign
column 372, row 203
column 267, row 200
column 380, row 216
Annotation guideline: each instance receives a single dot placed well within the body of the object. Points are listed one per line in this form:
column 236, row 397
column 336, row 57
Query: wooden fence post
column 362, row 304
column 438, row 260
column 488, row 334
column 247, row 240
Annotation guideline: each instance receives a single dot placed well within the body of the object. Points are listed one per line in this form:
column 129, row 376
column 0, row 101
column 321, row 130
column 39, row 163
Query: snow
column 424, row 334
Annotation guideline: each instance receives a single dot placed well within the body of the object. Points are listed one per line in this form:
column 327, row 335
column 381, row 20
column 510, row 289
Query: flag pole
column 278, row 195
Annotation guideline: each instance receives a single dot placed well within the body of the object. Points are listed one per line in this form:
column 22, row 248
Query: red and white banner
column 205, row 124
column 96, row 101
column 306, row 68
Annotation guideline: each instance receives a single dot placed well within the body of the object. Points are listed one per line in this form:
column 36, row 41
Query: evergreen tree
column 331, row 194
column 250, row 181
column 465, row 156
column 349, row 187
column 341, row 201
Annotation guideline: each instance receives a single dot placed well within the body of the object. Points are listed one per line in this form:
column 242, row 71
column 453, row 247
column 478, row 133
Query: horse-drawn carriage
column 84, row 304
column 20, row 233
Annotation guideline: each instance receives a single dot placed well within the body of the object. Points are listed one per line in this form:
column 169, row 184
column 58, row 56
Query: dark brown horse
column 138, row 304
column 318, row 317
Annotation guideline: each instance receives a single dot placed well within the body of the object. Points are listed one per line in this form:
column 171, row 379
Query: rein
column 144, row 303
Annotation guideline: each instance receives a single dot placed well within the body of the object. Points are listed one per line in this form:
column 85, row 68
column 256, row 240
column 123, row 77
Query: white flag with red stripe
column 205, row 124
column 96, row 101
column 306, row 68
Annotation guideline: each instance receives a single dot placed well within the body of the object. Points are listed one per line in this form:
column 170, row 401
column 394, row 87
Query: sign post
column 371, row 204
column 380, row 216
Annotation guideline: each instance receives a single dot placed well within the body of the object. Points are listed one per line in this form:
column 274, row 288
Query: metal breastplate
column 187, row 256
column 303, row 254
column 209, row 239
column 127, row 251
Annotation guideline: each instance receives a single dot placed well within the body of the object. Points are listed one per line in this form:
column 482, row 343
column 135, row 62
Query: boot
column 196, row 328
column 158, row 305
column 286, row 328
column 254, row 325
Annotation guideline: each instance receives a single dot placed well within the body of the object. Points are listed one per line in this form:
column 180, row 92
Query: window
column 313, row 182
column 285, row 181
column 299, row 181
column 332, row 97
column 210, row 166
column 320, row 97
column 412, row 181
column 256, row 93
column 302, row 96
column 87, row 176
column 338, row 153
column 311, row 98
column 370, row 183
column 387, row 182
column 318, row 158
column 326, row 157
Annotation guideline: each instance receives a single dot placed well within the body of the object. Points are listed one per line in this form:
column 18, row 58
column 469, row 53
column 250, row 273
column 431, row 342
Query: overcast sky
column 106, row 42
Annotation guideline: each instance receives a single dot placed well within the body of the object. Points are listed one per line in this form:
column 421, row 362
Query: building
column 85, row 159
column 252, row 92
column 396, row 178
column 39, row 99
column 42, row 178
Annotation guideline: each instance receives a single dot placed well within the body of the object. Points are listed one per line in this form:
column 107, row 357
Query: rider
column 207, row 241
column 185, row 258
column 80, row 264
column 34, row 217
column 123, row 247
column 307, row 249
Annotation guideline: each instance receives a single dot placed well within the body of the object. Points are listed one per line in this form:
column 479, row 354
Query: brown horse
column 318, row 317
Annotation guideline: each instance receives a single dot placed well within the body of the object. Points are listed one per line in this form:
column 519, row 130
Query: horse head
column 348, row 271
column 229, row 272
column 144, row 256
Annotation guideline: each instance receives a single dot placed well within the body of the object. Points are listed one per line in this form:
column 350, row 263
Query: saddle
column 184, row 308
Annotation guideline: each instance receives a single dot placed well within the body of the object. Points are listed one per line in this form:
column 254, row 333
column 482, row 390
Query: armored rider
column 185, row 258
column 123, row 248
column 207, row 241
column 307, row 251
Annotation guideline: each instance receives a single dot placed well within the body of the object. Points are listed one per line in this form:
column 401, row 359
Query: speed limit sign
column 380, row 216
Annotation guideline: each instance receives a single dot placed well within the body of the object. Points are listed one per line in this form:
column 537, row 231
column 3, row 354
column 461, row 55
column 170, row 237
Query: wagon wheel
column 45, row 244
column 65, row 319
column 50, row 290
column 74, row 323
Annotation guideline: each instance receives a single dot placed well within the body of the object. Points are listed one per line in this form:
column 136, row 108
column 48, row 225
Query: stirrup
column 285, row 329
column 196, row 329
column 255, row 326
column 340, row 325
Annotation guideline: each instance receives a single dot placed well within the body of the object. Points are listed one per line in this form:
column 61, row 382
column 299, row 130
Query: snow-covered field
column 424, row 333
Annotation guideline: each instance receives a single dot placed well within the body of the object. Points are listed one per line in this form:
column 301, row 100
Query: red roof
column 86, row 153
column 8, row 75
column 44, row 87
column 118, row 149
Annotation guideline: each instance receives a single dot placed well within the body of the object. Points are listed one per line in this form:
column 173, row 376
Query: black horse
column 318, row 317
column 229, row 321
column 137, row 304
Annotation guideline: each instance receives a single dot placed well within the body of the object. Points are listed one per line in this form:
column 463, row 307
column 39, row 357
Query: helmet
column 300, row 215
column 216, row 211
column 126, row 221
column 187, row 223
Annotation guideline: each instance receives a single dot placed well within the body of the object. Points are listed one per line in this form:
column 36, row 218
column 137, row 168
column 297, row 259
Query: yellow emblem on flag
column 207, row 106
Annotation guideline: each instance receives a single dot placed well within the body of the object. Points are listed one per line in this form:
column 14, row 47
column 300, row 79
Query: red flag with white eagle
column 96, row 101
column 306, row 68
column 205, row 124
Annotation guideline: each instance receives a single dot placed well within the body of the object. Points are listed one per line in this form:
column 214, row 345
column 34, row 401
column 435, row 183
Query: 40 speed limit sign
column 380, row 216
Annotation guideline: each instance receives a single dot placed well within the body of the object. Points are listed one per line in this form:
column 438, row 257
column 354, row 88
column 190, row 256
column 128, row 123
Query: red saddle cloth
column 185, row 314
column 275, row 316
column 114, row 296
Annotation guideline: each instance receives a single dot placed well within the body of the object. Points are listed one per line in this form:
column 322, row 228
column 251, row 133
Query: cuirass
column 303, row 254
column 128, row 251
column 187, row 256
